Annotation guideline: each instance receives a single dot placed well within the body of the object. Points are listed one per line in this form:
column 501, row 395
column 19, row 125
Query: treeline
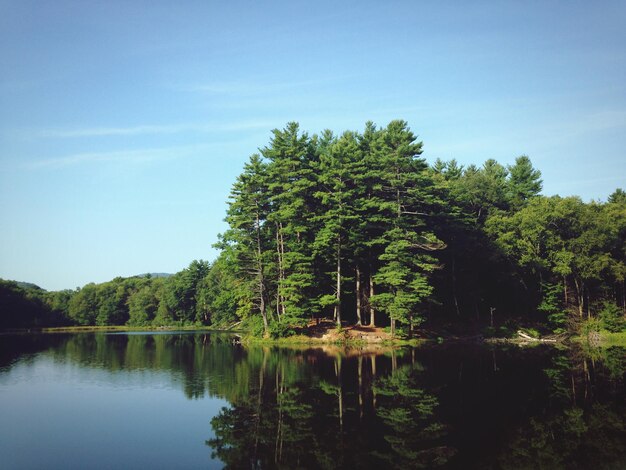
column 182, row 299
column 359, row 228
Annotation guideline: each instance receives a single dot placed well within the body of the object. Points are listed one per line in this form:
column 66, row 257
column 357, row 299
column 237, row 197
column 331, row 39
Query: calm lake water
column 196, row 400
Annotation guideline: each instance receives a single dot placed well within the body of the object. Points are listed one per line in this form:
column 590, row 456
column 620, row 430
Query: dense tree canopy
column 358, row 228
column 339, row 226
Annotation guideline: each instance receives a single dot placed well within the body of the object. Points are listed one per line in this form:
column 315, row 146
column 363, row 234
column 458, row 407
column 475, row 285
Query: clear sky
column 124, row 123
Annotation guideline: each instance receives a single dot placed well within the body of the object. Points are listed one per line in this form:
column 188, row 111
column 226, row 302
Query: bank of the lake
column 113, row 328
column 603, row 339
column 353, row 336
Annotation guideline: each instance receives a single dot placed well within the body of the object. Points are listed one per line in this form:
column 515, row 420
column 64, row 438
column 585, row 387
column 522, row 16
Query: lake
column 201, row 400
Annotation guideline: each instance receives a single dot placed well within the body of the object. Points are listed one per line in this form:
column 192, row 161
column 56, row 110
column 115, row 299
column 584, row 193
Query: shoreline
column 342, row 338
column 113, row 328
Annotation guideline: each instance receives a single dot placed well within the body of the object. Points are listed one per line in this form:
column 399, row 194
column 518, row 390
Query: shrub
column 611, row 317
column 254, row 324
column 591, row 325
column 281, row 329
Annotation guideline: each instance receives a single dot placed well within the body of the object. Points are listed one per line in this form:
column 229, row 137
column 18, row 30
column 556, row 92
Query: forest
column 359, row 229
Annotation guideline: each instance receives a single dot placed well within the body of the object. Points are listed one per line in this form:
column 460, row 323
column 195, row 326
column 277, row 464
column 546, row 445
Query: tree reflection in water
column 457, row 406
column 509, row 408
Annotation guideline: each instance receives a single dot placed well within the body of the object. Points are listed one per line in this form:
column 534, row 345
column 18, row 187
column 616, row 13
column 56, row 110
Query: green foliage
column 281, row 329
column 143, row 304
column 617, row 197
column 83, row 306
column 551, row 306
column 254, row 325
column 612, row 318
column 524, row 181
column 222, row 297
column 26, row 306
column 591, row 325
column 572, row 244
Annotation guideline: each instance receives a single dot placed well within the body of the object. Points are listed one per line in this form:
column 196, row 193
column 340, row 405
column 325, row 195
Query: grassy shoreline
column 245, row 338
column 605, row 339
column 298, row 340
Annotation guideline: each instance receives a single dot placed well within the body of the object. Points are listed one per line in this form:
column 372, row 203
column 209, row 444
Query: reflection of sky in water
column 58, row 414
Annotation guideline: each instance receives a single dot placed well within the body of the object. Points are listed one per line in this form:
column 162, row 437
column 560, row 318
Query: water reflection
column 459, row 406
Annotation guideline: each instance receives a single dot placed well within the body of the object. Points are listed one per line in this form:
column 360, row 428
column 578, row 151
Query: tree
column 178, row 298
column 292, row 179
column 524, row 181
column 338, row 195
column 144, row 303
column 83, row 306
column 617, row 197
column 247, row 217
column 405, row 200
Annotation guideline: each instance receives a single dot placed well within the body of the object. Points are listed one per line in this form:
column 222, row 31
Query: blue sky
column 123, row 124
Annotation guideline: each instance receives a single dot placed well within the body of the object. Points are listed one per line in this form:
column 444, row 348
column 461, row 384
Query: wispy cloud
column 147, row 129
column 122, row 156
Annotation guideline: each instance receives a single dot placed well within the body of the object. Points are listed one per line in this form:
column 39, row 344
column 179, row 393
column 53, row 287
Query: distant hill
column 154, row 275
column 28, row 285
column 31, row 286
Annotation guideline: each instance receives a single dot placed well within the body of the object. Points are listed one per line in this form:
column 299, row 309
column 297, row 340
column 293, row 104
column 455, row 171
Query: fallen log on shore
column 523, row 335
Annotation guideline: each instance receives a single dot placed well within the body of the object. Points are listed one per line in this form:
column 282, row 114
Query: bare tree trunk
column 358, row 295
column 393, row 327
column 279, row 268
column 280, row 273
column 581, row 299
column 372, row 313
column 282, row 270
column 261, row 276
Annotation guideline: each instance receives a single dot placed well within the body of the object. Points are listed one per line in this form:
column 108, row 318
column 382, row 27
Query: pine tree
column 247, row 217
column 406, row 197
column 291, row 157
column 338, row 168
column 524, row 181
